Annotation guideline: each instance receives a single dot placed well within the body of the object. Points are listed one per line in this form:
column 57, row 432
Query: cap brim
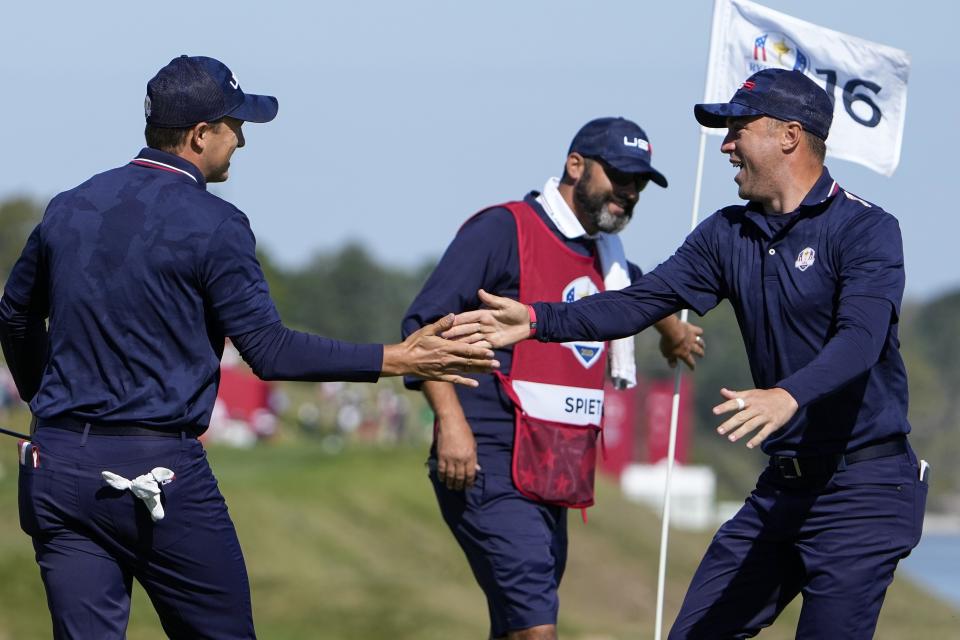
column 256, row 108
column 635, row 165
column 714, row 116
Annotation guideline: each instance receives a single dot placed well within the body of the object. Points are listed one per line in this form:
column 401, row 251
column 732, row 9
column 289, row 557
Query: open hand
column 764, row 409
column 504, row 322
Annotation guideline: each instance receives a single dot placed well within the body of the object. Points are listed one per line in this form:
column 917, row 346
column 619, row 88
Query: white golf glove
column 145, row 487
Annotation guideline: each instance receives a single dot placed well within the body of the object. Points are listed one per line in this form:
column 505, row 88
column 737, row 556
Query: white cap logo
column 640, row 143
column 146, row 106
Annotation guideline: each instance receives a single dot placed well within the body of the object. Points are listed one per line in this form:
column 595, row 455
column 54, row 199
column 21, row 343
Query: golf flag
column 866, row 81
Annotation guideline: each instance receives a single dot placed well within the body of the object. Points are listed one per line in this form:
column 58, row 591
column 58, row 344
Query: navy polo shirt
column 484, row 255
column 143, row 273
column 817, row 296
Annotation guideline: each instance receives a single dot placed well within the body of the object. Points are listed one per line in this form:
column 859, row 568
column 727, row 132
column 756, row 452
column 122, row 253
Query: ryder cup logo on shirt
column 805, row 259
column 586, row 353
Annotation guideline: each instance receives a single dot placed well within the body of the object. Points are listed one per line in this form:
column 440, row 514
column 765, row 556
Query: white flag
column 866, row 81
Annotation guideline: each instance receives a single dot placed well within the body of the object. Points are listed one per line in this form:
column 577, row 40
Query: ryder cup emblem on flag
column 586, row 353
column 866, row 81
column 777, row 50
column 805, row 259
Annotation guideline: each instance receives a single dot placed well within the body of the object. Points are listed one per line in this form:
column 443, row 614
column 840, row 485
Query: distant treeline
column 350, row 295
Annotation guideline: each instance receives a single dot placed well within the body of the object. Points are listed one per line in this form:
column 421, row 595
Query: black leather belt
column 99, row 429
column 794, row 467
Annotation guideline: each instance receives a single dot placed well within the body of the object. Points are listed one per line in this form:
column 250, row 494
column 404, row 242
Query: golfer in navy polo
column 815, row 276
column 142, row 274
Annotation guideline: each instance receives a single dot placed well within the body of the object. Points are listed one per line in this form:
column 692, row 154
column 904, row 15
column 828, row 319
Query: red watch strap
column 533, row 320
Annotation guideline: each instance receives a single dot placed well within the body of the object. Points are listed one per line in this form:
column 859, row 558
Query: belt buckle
column 788, row 467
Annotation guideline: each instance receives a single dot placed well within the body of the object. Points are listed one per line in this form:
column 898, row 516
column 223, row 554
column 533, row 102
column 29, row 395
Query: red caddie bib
column 557, row 389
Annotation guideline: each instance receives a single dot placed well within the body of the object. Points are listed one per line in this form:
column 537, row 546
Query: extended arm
column 275, row 352
column 608, row 315
column 690, row 278
column 239, row 299
column 603, row 316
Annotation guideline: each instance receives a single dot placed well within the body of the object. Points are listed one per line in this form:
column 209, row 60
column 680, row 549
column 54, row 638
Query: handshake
column 457, row 345
column 464, row 343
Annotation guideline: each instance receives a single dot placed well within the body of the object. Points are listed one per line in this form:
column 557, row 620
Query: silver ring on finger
column 741, row 405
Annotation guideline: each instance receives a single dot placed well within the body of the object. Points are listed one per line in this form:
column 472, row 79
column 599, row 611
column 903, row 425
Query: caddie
column 142, row 273
column 511, row 456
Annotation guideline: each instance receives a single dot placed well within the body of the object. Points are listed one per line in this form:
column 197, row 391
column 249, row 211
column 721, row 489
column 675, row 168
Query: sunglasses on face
column 622, row 178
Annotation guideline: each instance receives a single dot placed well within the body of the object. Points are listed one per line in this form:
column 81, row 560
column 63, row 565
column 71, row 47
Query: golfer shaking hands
column 142, row 273
column 815, row 276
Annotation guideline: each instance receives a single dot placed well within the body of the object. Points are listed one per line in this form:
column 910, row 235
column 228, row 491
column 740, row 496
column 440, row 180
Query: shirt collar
column 823, row 190
column 559, row 211
column 163, row 161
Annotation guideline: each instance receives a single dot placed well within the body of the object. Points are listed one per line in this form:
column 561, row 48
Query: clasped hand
column 504, row 322
column 425, row 354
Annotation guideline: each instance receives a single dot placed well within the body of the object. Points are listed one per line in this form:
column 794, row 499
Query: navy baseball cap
column 778, row 93
column 197, row 89
column 618, row 142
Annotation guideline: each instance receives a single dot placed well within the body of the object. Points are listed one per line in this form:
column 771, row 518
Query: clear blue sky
column 399, row 119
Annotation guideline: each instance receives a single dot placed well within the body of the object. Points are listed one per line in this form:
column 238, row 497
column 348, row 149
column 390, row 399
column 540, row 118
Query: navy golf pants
column 836, row 542
column 91, row 540
column 516, row 548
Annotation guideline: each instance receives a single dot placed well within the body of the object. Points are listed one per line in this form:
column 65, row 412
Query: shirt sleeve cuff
column 795, row 389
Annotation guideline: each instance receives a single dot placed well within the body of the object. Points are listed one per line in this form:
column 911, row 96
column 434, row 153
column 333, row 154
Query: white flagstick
column 674, row 417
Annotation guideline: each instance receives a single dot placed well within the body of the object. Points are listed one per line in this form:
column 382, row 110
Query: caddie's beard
column 595, row 206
